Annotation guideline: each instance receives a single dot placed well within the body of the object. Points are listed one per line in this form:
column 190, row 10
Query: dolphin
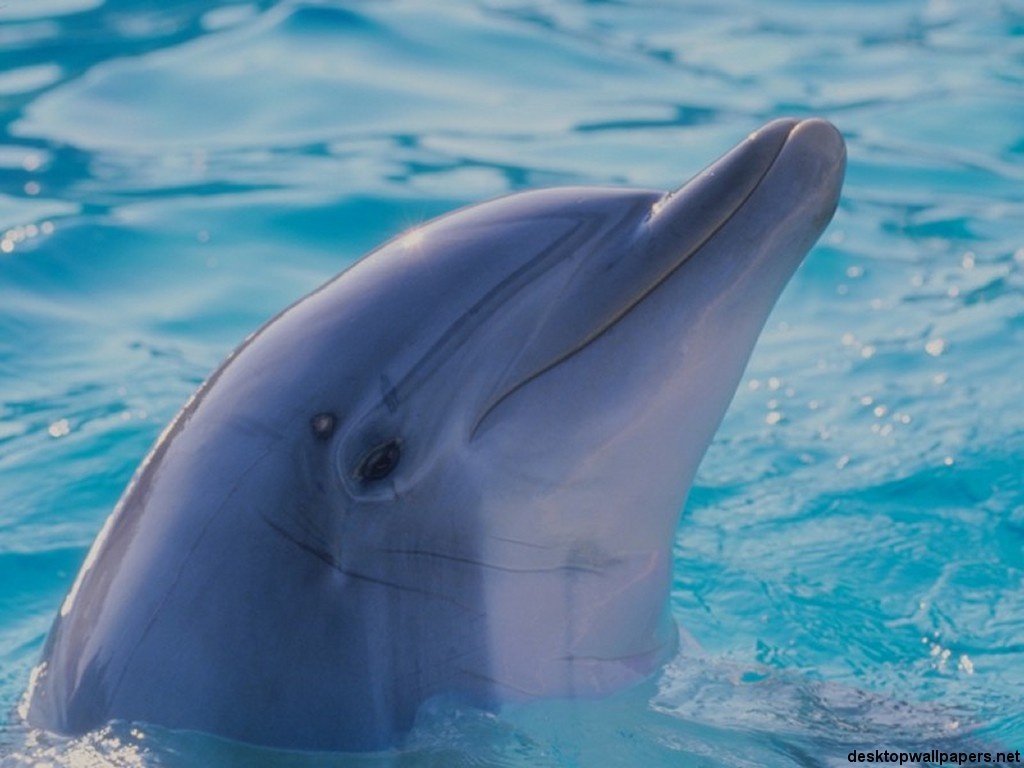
column 456, row 469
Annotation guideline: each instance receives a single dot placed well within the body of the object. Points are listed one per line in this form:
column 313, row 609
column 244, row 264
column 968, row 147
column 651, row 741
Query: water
column 851, row 562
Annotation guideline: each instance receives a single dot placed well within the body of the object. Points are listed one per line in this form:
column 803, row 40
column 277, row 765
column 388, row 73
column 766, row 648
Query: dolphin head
column 457, row 467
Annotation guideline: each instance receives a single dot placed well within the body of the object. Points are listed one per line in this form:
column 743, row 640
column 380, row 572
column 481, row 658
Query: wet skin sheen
column 455, row 469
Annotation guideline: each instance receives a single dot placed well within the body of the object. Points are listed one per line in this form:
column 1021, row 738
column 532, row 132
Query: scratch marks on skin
column 321, row 554
column 494, row 681
column 328, row 559
column 450, row 664
column 308, row 527
column 181, row 568
column 520, row 542
column 647, row 572
column 482, row 564
column 623, row 658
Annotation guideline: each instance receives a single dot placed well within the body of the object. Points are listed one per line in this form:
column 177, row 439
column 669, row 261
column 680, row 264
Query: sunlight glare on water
column 851, row 561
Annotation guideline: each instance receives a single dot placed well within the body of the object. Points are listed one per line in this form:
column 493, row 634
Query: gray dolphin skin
column 455, row 469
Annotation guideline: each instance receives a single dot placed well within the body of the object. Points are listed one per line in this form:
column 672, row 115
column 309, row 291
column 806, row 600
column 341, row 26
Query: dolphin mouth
column 722, row 190
column 738, row 176
column 682, row 222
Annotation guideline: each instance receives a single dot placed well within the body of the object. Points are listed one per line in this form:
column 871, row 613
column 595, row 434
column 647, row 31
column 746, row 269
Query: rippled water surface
column 851, row 562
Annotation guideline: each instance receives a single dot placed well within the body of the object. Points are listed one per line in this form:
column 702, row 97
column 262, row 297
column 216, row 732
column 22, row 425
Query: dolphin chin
column 454, row 470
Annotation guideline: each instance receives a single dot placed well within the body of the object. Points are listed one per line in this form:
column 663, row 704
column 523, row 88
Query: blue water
column 851, row 562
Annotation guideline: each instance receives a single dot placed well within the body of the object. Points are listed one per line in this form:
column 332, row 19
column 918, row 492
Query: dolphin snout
column 789, row 170
column 807, row 173
column 810, row 151
column 814, row 135
column 818, row 136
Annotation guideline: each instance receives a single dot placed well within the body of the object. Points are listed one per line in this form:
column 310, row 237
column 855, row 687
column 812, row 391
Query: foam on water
column 851, row 561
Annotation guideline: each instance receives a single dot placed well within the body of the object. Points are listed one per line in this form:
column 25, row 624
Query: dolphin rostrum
column 455, row 469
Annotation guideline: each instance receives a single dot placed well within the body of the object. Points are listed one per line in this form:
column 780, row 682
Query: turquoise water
column 851, row 562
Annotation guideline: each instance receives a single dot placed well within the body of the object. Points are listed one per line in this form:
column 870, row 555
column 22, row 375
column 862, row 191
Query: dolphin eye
column 323, row 425
column 380, row 462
